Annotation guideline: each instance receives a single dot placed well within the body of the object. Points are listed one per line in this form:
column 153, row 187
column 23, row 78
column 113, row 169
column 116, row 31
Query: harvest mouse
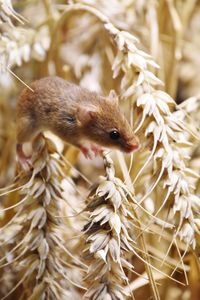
column 73, row 113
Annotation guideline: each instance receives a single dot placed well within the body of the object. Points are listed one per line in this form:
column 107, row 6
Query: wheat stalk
column 35, row 234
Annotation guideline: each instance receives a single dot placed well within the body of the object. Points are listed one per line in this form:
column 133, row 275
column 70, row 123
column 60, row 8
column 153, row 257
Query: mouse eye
column 114, row 134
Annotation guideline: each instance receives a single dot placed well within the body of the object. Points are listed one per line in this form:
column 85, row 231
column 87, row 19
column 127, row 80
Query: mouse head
column 104, row 124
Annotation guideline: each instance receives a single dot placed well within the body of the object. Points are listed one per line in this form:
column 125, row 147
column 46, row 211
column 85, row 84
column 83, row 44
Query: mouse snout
column 132, row 145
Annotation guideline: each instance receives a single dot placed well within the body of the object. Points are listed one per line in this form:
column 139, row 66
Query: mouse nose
column 134, row 147
column 133, row 144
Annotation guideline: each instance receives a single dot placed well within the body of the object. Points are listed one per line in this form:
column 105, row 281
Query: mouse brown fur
column 73, row 113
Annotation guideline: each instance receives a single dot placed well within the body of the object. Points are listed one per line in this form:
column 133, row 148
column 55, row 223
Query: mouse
column 75, row 114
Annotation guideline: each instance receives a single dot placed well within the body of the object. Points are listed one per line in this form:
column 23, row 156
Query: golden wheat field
column 117, row 226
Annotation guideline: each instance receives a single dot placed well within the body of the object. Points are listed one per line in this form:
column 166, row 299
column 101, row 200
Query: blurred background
column 70, row 39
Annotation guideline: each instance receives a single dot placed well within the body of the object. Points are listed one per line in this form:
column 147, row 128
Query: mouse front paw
column 91, row 151
column 86, row 152
column 97, row 150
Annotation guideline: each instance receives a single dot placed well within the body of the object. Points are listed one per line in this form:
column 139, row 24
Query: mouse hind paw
column 23, row 160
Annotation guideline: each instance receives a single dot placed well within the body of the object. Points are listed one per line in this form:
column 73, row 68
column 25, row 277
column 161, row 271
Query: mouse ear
column 113, row 97
column 85, row 114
